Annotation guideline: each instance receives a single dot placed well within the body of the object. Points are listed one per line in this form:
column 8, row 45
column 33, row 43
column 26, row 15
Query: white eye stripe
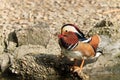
column 73, row 29
column 70, row 28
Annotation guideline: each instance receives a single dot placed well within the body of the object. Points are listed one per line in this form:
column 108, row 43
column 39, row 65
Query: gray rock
column 38, row 34
column 2, row 46
column 28, row 49
column 4, row 61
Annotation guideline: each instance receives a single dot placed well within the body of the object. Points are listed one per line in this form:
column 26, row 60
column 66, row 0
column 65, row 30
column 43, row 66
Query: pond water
column 106, row 77
column 9, row 77
column 100, row 77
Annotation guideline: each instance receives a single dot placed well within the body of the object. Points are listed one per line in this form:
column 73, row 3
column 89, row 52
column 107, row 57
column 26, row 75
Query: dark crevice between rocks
column 5, row 43
column 103, row 23
column 8, row 75
column 12, row 37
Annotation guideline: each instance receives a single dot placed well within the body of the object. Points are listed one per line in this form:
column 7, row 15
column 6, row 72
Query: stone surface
column 31, row 26
column 38, row 34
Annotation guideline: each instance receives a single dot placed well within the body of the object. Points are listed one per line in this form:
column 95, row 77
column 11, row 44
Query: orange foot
column 76, row 69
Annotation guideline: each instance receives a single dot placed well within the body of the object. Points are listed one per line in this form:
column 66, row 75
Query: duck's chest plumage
column 72, row 54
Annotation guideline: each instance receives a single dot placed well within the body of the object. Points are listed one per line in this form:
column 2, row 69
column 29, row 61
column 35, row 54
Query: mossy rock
column 111, row 31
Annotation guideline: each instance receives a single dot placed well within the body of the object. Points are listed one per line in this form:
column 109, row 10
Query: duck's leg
column 81, row 66
column 75, row 62
column 75, row 65
column 77, row 68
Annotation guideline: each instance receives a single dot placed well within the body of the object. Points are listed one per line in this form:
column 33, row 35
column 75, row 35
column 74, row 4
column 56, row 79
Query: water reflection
column 106, row 77
column 100, row 77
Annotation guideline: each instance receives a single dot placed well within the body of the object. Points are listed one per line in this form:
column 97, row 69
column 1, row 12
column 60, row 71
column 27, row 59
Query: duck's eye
column 66, row 31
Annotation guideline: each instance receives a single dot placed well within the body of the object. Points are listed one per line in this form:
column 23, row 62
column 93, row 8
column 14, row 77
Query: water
column 93, row 77
column 106, row 77
column 9, row 77
column 100, row 77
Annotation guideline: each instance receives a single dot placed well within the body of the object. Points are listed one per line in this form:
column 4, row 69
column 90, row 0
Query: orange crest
column 95, row 41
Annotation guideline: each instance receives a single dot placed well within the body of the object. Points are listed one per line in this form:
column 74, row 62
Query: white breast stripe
column 87, row 40
column 74, row 46
column 69, row 47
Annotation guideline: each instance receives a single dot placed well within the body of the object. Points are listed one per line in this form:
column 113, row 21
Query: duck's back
column 95, row 40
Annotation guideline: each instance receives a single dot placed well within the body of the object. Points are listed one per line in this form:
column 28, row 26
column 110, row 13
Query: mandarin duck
column 75, row 45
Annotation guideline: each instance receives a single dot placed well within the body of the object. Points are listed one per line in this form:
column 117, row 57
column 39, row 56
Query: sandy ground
column 84, row 13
